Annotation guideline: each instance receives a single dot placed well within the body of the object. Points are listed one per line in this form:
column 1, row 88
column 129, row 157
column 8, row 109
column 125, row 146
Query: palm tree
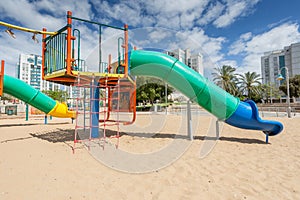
column 226, row 79
column 249, row 83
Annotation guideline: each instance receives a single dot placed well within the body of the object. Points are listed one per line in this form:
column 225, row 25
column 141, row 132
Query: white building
column 194, row 61
column 29, row 70
column 274, row 63
column 292, row 58
column 271, row 62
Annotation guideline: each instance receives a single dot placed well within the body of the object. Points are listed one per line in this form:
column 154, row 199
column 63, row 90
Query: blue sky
column 234, row 32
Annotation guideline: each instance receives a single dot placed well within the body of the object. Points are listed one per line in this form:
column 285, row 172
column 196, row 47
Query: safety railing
column 55, row 53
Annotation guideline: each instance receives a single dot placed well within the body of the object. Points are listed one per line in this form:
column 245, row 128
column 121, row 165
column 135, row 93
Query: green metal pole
column 26, row 112
column 100, row 48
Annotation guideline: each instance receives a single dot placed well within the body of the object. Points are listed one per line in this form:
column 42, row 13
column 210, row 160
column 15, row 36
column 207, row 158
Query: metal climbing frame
column 87, row 102
column 106, row 99
column 101, row 107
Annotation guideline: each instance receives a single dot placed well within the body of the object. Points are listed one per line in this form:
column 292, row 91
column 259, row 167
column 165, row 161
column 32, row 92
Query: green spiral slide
column 35, row 98
column 198, row 89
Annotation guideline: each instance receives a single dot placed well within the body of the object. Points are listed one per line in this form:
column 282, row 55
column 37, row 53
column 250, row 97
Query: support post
column 43, row 54
column 267, row 138
column 288, row 92
column 94, row 102
column 84, row 110
column 166, row 96
column 189, row 120
column 69, row 43
column 126, row 49
column 26, row 112
column 1, row 77
column 217, row 129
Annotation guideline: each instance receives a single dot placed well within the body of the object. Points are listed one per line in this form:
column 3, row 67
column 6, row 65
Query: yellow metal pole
column 26, row 29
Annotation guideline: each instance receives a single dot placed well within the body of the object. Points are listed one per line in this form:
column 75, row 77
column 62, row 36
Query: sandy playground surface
column 37, row 162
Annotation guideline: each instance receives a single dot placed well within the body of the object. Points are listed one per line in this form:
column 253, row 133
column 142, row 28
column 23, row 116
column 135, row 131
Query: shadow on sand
column 67, row 135
column 32, row 124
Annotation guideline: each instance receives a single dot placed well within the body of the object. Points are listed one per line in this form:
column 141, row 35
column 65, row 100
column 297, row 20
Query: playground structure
column 107, row 94
column 102, row 94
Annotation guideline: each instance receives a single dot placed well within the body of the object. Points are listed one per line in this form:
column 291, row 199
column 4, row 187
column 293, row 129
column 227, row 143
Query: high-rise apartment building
column 276, row 62
column 271, row 63
column 29, row 70
column 194, row 61
column 292, row 58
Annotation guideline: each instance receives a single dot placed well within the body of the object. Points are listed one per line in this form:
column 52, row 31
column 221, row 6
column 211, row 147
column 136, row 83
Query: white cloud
column 234, row 9
column 253, row 46
column 169, row 7
column 27, row 15
column 179, row 15
column 276, row 38
column 240, row 45
column 80, row 8
column 197, row 39
column 232, row 63
column 12, row 48
column 126, row 12
column 158, row 35
column 213, row 11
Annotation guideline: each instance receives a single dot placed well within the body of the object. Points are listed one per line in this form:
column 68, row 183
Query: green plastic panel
column 190, row 83
column 28, row 94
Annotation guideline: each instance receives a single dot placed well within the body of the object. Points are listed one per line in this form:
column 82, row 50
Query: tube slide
column 35, row 98
column 208, row 95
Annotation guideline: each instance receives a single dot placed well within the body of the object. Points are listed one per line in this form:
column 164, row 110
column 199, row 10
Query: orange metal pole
column 126, row 49
column 109, row 63
column 132, row 106
column 43, row 54
column 1, row 77
column 69, row 43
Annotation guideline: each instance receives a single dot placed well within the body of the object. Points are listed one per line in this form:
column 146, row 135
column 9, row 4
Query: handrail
column 100, row 24
column 20, row 28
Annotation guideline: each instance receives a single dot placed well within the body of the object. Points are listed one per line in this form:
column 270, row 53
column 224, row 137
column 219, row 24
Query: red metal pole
column 43, row 54
column 1, row 77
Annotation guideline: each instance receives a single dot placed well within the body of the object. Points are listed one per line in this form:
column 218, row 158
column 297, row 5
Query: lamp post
column 280, row 77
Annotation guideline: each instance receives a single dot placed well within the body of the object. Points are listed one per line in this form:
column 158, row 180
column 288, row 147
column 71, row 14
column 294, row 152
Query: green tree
column 58, row 95
column 151, row 89
column 294, row 84
column 6, row 97
column 249, row 84
column 225, row 78
column 269, row 91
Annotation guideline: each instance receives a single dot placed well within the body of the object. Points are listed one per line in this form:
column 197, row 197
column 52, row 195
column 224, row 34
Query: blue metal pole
column 95, row 109
column 267, row 138
column 84, row 111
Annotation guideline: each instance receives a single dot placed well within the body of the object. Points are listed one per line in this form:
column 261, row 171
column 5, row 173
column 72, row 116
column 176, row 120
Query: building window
column 30, row 60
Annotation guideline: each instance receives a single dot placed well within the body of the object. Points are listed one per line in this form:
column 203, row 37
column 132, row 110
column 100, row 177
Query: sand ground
column 37, row 162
